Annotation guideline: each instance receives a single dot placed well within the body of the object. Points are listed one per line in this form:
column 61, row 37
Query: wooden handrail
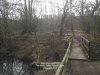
column 85, row 39
column 64, row 61
column 85, row 42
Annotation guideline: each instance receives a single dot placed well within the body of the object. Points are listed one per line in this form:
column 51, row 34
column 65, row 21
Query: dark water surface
column 14, row 66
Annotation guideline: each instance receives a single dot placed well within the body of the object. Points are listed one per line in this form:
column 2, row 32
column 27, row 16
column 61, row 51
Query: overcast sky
column 50, row 6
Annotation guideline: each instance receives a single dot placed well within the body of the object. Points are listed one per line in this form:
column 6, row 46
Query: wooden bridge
column 76, row 55
column 76, row 60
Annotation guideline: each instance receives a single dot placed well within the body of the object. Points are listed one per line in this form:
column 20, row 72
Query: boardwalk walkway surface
column 82, row 67
column 77, row 52
column 85, row 67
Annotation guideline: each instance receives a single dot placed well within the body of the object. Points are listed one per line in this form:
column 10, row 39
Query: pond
column 14, row 66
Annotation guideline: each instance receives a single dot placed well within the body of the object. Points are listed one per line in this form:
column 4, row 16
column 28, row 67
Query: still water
column 14, row 66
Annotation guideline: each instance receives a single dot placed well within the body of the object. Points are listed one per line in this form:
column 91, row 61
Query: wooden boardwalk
column 84, row 67
column 77, row 52
column 79, row 63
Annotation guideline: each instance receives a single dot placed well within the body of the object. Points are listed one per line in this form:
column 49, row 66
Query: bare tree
column 65, row 9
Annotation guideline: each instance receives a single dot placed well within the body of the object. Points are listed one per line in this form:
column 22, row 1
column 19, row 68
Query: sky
column 49, row 7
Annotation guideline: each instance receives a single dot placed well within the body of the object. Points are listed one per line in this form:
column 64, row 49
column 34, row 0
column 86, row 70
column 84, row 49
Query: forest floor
column 44, row 47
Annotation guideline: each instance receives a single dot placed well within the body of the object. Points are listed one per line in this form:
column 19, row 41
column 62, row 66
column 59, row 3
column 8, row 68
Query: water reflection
column 14, row 66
